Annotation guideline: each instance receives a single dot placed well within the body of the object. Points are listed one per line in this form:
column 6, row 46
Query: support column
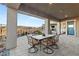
column 59, row 28
column 11, row 41
column 47, row 26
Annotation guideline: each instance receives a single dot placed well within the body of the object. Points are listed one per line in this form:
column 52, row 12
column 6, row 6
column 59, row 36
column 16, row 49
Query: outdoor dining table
column 42, row 37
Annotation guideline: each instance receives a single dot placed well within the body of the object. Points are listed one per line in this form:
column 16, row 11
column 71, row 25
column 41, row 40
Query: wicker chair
column 32, row 42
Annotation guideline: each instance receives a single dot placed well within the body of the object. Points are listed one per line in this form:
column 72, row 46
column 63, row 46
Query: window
column 70, row 25
column 3, row 22
column 28, row 24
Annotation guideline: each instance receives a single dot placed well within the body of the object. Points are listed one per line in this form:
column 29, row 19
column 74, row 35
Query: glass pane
column 70, row 25
column 3, row 22
column 29, row 24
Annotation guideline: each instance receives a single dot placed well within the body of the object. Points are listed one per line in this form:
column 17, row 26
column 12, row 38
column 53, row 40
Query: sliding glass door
column 70, row 28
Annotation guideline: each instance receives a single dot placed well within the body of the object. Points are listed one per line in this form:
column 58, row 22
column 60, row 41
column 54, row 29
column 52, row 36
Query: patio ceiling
column 54, row 11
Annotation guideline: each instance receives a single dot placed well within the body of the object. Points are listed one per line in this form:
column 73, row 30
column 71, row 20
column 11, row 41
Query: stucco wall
column 57, row 26
column 64, row 27
column 77, row 27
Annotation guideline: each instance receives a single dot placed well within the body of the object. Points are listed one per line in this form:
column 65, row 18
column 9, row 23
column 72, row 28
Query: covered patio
column 68, row 46
column 11, row 41
column 59, row 13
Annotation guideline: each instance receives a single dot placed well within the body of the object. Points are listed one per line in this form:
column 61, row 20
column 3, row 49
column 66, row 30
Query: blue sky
column 26, row 20
column 3, row 14
column 22, row 20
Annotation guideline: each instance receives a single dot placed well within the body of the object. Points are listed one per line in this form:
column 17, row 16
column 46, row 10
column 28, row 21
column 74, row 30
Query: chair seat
column 49, row 41
column 46, row 42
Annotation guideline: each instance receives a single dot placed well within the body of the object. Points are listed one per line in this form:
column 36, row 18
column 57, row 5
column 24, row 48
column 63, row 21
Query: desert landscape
column 20, row 30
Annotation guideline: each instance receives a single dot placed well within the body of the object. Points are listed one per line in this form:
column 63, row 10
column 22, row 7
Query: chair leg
column 47, row 49
column 35, row 49
column 55, row 46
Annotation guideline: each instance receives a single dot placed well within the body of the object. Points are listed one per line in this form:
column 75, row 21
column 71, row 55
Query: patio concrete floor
column 68, row 46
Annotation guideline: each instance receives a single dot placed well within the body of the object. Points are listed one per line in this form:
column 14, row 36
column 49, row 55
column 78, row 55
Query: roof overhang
column 56, row 11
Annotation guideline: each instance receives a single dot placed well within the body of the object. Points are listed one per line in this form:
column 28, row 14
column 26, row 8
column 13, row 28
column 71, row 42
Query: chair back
column 29, row 38
column 57, row 37
column 32, row 41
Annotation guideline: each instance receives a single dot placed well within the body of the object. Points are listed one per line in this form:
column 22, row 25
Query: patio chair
column 50, row 43
column 55, row 41
column 2, row 48
column 47, row 43
column 32, row 42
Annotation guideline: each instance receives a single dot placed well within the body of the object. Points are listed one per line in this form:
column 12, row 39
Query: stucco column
column 47, row 27
column 59, row 28
column 11, row 41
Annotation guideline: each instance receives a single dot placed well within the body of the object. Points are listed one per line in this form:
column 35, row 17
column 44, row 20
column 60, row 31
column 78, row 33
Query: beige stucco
column 57, row 26
column 63, row 26
column 11, row 41
column 77, row 26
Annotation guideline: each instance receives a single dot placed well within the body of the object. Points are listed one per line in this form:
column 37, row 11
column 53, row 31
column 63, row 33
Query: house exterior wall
column 57, row 26
column 64, row 26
